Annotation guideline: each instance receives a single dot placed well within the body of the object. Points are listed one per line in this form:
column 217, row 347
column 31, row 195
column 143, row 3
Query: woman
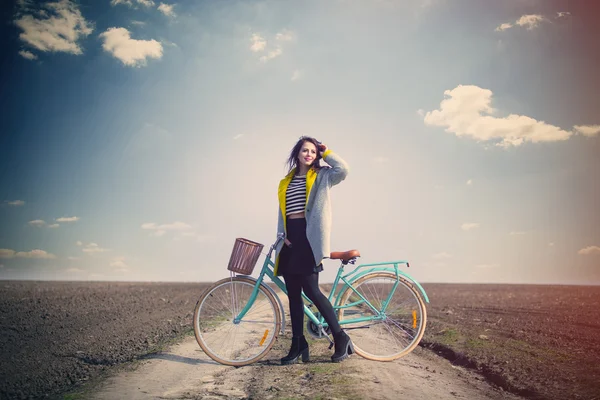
column 305, row 220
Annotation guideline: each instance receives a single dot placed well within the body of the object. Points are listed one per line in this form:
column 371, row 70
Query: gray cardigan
column 318, row 206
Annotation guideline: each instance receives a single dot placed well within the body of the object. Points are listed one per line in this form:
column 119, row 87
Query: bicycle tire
column 361, row 340
column 220, row 325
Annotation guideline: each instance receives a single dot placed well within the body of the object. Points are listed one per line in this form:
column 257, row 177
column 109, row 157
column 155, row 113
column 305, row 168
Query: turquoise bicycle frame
column 347, row 279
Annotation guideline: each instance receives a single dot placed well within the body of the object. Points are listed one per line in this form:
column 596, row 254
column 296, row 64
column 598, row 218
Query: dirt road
column 185, row 372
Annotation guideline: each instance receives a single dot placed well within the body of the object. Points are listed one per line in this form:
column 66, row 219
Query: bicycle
column 237, row 319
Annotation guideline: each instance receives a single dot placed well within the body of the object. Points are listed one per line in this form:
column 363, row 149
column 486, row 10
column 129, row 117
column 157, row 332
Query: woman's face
column 308, row 154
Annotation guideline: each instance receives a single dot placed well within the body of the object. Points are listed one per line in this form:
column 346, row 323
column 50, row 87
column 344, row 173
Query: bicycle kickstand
column 331, row 343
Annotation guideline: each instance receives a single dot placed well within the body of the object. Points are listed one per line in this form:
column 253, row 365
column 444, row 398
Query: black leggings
column 310, row 284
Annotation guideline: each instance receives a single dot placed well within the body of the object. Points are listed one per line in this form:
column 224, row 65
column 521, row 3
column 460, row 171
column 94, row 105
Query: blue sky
column 140, row 138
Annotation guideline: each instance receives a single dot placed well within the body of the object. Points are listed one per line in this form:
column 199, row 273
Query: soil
column 56, row 335
column 541, row 342
column 60, row 340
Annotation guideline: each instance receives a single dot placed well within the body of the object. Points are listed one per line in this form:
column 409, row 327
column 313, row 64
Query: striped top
column 295, row 197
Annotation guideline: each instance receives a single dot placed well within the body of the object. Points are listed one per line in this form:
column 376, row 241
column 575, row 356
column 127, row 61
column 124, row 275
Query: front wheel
column 221, row 336
column 388, row 323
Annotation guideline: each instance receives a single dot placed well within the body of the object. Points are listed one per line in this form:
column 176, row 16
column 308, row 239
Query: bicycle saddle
column 345, row 256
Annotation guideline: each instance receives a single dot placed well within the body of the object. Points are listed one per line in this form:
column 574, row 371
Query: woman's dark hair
column 292, row 161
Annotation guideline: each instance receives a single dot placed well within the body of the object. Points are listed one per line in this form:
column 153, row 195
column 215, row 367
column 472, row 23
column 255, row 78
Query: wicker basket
column 244, row 255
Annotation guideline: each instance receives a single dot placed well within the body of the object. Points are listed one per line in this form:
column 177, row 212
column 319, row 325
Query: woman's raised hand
column 322, row 148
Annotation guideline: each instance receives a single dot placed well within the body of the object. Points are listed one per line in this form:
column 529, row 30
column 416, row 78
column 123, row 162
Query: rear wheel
column 231, row 342
column 395, row 324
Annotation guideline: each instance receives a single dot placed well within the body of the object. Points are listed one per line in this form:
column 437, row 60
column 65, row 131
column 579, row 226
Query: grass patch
column 324, row 368
column 449, row 336
column 477, row 343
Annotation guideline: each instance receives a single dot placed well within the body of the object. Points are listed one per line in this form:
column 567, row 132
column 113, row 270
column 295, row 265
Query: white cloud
column 7, row 253
column 441, row 256
column 285, row 36
column 271, row 54
column 587, row 130
column 16, row 203
column 467, row 226
column 504, row 27
column 71, row 258
column 297, row 74
column 421, row 112
column 381, row 160
column 590, row 250
column 167, row 43
column 138, row 23
column 551, row 244
column 67, row 219
column 258, row 43
column 53, row 226
column 529, row 21
column 466, row 111
column 119, row 264
column 78, row 243
column 131, row 3
column 239, row 135
column 27, row 55
column 470, row 182
column 74, row 270
column 92, row 248
column 517, row 233
column 37, row 222
column 37, row 253
column 563, row 14
column 34, row 254
column 57, row 27
column 131, row 52
column 167, row 9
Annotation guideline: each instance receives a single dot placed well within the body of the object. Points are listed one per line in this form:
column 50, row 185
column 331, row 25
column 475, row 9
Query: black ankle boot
column 343, row 347
column 299, row 347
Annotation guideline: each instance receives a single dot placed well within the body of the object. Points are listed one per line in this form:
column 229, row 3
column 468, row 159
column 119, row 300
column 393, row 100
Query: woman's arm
column 339, row 168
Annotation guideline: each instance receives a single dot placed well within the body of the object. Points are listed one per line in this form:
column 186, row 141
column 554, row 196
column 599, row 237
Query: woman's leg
column 299, row 345
column 293, row 285
column 310, row 285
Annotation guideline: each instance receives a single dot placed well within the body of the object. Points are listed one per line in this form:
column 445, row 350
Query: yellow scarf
column 311, row 176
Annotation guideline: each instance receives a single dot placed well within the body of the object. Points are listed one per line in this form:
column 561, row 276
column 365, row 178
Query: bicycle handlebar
column 280, row 237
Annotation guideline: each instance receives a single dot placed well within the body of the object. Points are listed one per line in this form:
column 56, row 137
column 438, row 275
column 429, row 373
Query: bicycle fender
column 390, row 270
column 270, row 289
